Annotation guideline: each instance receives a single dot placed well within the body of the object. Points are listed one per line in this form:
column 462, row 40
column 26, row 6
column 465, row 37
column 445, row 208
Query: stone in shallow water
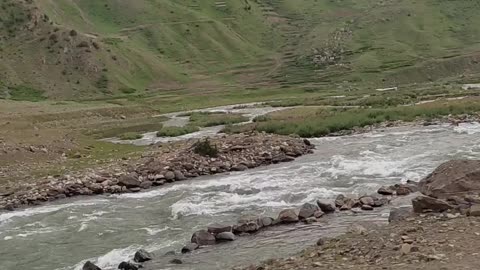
column 90, row 266
column 265, row 221
column 176, row 261
column 288, row 216
column 203, row 238
column 128, row 266
column 219, row 228
column 307, row 210
column 187, row 248
column 326, row 206
column 225, row 236
column 142, row 256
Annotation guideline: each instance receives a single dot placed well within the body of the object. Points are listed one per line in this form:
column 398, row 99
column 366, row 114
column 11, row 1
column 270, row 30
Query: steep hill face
column 81, row 49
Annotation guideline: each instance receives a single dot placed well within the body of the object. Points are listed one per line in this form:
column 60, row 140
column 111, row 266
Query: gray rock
column 340, row 200
column 146, row 184
column 239, row 168
column 326, row 206
column 318, row 214
column 386, row 191
column 219, row 228
column 367, row 200
column 170, row 176
column 225, row 236
column 188, row 248
column 456, row 177
column 90, row 266
column 422, row 204
column 474, row 210
column 179, row 176
column 203, row 238
column 176, row 261
column 128, row 181
column 142, row 256
column 307, row 210
column 127, row 266
column 246, row 224
column 265, row 221
column 320, row 242
column 310, row 220
column 399, row 214
column 379, row 202
column 367, row 207
column 288, row 216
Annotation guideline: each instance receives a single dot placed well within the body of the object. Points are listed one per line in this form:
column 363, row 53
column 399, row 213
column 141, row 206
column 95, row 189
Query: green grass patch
column 202, row 119
column 317, row 122
column 130, row 136
column 123, row 129
column 176, row 131
column 26, row 93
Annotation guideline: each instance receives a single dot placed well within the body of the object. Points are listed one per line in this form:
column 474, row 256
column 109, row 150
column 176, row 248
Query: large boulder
column 203, row 238
column 128, row 181
column 399, row 214
column 424, row 203
column 456, row 177
column 307, row 210
column 326, row 206
column 142, row 256
column 90, row 266
column 288, row 216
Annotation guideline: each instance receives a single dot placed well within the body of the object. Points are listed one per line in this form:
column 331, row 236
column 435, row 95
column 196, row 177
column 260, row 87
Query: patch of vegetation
column 128, row 91
column 317, row 122
column 130, row 136
column 205, row 148
column 26, row 93
column 123, row 128
column 210, row 119
column 176, row 131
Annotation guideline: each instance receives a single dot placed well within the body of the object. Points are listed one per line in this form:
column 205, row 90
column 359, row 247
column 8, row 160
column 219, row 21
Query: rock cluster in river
column 165, row 164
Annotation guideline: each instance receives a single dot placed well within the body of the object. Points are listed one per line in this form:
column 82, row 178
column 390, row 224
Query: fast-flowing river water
column 109, row 229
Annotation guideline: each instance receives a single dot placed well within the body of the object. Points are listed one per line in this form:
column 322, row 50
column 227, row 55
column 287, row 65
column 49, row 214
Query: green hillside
column 84, row 49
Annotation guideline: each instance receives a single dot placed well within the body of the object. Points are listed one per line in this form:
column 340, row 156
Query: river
column 109, row 229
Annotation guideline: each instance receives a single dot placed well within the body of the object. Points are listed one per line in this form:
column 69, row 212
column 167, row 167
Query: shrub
column 130, row 136
column 176, row 131
column 205, row 148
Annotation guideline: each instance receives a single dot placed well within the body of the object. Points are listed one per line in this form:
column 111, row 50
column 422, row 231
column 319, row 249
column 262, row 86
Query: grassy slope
column 200, row 46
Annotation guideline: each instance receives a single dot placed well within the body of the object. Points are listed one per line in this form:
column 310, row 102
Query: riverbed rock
column 318, row 214
column 474, row 210
column 169, row 176
column 422, row 204
column 225, row 236
column 142, row 256
column 127, row 266
column 288, row 216
column 379, row 202
column 340, row 200
column 128, row 181
column 326, row 206
column 219, row 228
column 400, row 213
column 386, row 191
column 203, row 238
column 265, row 221
column 367, row 207
column 367, row 200
column 176, row 261
column 189, row 248
column 239, row 168
column 456, row 177
column 310, row 220
column 146, row 184
column 402, row 190
column 179, row 176
column 90, row 266
column 246, row 224
column 307, row 210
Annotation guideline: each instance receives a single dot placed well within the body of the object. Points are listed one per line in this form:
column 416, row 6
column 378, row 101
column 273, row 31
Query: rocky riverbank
column 437, row 232
column 164, row 163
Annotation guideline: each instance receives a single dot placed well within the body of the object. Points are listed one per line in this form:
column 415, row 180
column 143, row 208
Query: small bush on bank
column 205, row 148
column 176, row 131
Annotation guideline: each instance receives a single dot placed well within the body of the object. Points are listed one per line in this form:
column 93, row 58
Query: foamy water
column 109, row 229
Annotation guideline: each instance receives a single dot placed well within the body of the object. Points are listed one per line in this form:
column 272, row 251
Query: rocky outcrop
column 169, row 163
column 453, row 178
column 423, row 204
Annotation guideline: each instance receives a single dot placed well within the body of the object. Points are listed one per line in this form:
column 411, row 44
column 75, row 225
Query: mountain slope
column 80, row 49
